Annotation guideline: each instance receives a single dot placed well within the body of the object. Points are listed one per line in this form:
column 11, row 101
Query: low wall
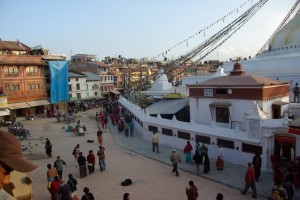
column 180, row 132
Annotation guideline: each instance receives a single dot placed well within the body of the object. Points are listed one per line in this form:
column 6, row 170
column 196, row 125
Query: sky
column 138, row 28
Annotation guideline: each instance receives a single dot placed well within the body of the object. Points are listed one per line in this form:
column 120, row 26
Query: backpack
column 277, row 194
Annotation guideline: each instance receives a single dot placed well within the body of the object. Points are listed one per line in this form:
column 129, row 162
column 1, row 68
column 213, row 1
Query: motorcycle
column 19, row 131
column 81, row 128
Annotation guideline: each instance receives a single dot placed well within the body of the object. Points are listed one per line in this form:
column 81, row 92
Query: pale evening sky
column 137, row 28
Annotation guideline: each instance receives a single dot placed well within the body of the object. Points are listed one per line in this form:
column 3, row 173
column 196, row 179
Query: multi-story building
column 77, row 86
column 88, row 65
column 22, row 80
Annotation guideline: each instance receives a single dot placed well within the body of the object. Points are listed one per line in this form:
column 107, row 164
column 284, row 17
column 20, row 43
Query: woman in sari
column 188, row 151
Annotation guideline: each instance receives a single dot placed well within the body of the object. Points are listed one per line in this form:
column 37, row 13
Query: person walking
column 220, row 159
column 175, row 159
column 91, row 162
column 250, row 180
column 296, row 93
column 131, row 128
column 198, row 148
column 206, row 163
column 48, row 148
column 197, row 159
column 126, row 196
column 51, row 173
column 58, row 165
column 219, row 196
column 54, row 188
column 188, row 151
column 64, row 190
column 99, row 136
column 76, row 152
column 87, row 194
column 82, row 165
column 155, row 142
column 256, row 162
column 126, row 128
column 192, row 191
column 101, row 155
column 72, row 183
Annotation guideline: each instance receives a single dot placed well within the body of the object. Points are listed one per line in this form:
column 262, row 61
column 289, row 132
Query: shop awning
column 38, row 103
column 15, row 106
column 4, row 112
column 115, row 91
column 167, row 106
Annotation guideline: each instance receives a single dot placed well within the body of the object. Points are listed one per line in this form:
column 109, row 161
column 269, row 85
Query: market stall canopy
column 167, row 106
column 15, row 106
column 4, row 112
column 38, row 103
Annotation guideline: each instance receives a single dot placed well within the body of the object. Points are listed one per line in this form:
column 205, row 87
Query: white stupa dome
column 288, row 36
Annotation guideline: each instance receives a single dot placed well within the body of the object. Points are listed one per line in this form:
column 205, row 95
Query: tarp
column 167, row 106
column 59, row 81
column 14, row 106
column 4, row 112
column 38, row 103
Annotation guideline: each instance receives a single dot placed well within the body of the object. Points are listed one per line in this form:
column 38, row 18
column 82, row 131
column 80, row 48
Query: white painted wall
column 82, row 83
column 235, row 155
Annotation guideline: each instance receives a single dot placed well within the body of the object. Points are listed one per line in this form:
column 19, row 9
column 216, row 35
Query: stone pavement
column 232, row 175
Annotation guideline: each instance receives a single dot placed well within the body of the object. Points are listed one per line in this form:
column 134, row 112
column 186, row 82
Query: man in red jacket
column 91, row 162
column 192, row 192
column 250, row 180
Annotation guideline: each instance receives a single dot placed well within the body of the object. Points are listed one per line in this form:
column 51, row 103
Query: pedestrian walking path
column 232, row 175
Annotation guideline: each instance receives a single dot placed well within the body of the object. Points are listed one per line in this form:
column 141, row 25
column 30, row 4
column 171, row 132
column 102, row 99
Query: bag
column 126, row 182
column 277, row 195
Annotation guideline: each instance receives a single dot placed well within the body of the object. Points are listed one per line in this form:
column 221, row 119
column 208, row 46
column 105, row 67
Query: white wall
column 235, row 155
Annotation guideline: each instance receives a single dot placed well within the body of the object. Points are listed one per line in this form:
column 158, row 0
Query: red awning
column 285, row 139
column 294, row 131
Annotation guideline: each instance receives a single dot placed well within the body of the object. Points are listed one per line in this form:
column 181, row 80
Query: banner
column 59, row 81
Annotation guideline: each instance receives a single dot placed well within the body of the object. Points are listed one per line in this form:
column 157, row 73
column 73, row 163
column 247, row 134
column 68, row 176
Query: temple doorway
column 284, row 146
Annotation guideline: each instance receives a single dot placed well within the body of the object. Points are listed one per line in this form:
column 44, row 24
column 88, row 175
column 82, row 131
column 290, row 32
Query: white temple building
column 282, row 59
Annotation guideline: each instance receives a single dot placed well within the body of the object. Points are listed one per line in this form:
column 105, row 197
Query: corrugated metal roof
column 75, row 75
column 167, row 106
column 90, row 76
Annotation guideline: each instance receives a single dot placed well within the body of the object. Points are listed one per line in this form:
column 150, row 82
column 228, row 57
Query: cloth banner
column 59, row 81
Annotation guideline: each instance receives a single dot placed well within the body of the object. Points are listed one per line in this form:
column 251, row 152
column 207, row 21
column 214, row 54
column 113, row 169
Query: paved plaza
column 132, row 158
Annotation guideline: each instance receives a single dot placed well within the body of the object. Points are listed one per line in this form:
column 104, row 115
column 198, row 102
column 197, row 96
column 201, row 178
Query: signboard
column 3, row 101
column 208, row 92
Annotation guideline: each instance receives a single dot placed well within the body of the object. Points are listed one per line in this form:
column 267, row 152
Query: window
column 153, row 129
column 76, row 79
column 96, row 93
column 78, row 95
column 12, row 87
column 166, row 131
column 184, row 135
column 87, row 94
column 70, row 96
column 68, row 80
column 226, row 143
column 221, row 91
column 222, row 114
column 249, row 148
column 203, row 139
column 70, row 87
column 31, row 70
column 77, row 86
